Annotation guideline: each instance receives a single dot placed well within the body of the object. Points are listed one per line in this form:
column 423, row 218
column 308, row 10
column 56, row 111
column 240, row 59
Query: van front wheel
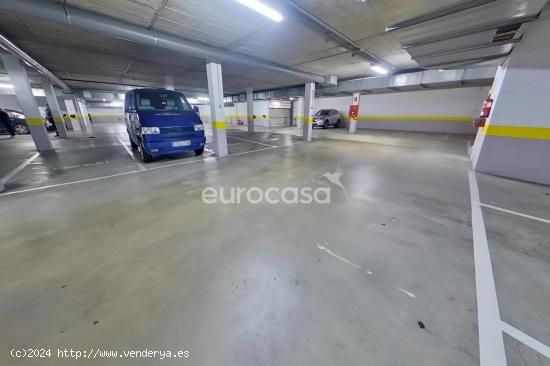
column 199, row 151
column 132, row 143
column 145, row 156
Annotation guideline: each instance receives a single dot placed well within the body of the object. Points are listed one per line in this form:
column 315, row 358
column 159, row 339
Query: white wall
column 445, row 110
column 9, row 101
column 106, row 114
column 238, row 112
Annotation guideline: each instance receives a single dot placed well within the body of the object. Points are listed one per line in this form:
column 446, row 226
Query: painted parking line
column 20, row 167
column 496, row 208
column 140, row 166
column 491, row 343
column 254, row 142
column 207, row 159
column 526, row 339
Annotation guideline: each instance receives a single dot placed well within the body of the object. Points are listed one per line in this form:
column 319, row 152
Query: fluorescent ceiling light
column 192, row 100
column 203, row 98
column 379, row 69
column 6, row 86
column 117, row 104
column 262, row 9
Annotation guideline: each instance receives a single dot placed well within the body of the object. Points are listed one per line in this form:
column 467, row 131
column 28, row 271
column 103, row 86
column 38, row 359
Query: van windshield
column 161, row 101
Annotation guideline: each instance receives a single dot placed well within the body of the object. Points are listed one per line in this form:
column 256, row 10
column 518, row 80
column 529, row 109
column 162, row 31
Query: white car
column 326, row 117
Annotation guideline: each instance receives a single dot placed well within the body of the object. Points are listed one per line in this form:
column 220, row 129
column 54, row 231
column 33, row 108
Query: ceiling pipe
column 437, row 14
column 83, row 19
column 470, row 31
column 467, row 49
column 11, row 47
column 336, row 36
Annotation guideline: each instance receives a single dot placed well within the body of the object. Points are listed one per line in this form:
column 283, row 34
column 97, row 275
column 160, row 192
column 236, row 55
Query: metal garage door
column 279, row 116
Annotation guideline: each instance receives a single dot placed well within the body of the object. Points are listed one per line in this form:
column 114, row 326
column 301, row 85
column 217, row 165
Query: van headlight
column 150, row 130
column 199, row 127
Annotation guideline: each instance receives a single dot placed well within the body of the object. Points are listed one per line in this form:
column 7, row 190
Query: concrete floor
column 96, row 253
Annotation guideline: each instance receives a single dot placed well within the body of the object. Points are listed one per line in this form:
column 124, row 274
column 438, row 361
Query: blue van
column 162, row 122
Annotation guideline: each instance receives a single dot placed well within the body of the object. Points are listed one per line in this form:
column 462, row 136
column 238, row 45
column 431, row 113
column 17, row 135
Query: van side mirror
column 196, row 109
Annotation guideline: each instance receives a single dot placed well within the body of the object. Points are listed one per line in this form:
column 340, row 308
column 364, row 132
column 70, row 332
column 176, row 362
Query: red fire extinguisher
column 485, row 112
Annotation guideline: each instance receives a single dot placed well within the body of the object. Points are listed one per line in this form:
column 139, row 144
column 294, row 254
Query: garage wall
column 446, row 110
column 106, row 114
column 9, row 101
column 238, row 112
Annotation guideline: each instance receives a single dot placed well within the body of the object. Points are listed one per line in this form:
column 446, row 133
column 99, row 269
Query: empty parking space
column 286, row 182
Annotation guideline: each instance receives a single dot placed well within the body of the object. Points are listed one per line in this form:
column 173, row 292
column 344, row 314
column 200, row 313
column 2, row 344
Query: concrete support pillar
column 79, row 114
column 353, row 120
column 72, row 114
column 250, row 109
column 84, row 113
column 309, row 99
column 23, row 93
column 169, row 83
column 215, row 92
column 299, row 116
column 515, row 141
column 56, row 111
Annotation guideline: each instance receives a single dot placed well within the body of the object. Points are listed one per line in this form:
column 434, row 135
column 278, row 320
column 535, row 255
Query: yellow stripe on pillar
column 308, row 119
column 519, row 132
column 58, row 119
column 219, row 125
column 34, row 121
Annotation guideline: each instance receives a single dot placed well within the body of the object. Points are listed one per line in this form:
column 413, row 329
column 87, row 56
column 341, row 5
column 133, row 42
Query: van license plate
column 181, row 143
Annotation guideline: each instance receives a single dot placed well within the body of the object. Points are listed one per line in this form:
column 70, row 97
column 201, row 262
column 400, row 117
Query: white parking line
column 141, row 171
column 22, row 166
column 140, row 166
column 491, row 344
column 516, row 213
column 254, row 142
column 525, row 339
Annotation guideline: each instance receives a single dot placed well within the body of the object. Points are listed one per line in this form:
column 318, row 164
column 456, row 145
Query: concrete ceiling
column 87, row 60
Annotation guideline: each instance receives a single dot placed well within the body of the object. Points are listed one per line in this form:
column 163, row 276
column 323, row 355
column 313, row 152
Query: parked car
column 326, row 117
column 20, row 123
column 162, row 122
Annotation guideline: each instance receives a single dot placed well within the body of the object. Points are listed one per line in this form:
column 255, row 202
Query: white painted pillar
column 515, row 141
column 353, row 120
column 169, row 83
column 299, row 110
column 56, row 111
column 84, row 113
column 79, row 115
column 309, row 99
column 23, row 92
column 72, row 114
column 217, row 112
column 250, row 109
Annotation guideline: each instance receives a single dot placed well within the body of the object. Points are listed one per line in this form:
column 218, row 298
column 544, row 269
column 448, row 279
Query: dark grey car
column 326, row 117
column 18, row 121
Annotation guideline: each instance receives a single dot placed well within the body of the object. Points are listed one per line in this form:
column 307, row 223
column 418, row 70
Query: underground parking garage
column 289, row 182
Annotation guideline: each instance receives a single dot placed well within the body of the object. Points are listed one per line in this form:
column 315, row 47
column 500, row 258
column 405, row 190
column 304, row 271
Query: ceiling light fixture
column 6, row 86
column 379, row 69
column 262, row 9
